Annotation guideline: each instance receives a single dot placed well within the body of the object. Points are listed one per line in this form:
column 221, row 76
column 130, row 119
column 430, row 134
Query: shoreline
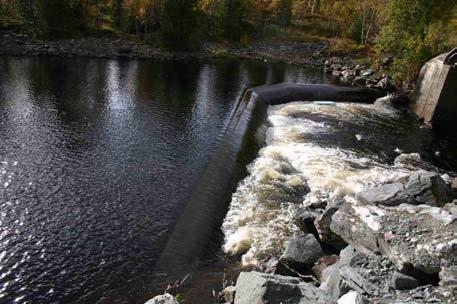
column 344, row 69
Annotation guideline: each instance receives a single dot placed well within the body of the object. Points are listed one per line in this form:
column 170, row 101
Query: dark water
column 98, row 158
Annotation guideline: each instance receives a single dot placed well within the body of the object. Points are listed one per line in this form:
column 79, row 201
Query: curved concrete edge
column 237, row 146
column 289, row 92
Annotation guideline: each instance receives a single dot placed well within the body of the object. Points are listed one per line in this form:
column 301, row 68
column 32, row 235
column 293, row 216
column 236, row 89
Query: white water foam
column 260, row 218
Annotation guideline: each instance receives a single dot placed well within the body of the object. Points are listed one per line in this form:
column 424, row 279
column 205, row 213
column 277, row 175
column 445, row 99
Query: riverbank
column 345, row 69
column 312, row 54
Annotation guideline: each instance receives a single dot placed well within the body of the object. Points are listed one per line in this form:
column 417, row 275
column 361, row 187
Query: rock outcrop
column 415, row 238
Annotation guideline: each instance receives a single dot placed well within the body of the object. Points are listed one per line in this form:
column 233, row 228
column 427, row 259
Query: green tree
column 415, row 30
column 179, row 24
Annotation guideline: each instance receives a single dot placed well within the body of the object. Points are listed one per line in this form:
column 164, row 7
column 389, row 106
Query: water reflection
column 97, row 161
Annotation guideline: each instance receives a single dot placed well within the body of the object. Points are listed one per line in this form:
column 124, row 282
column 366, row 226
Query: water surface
column 97, row 161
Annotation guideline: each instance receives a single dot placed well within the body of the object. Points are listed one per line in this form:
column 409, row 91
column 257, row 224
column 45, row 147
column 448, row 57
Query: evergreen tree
column 179, row 24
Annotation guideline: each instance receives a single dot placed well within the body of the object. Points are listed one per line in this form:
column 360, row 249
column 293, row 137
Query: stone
column 401, row 281
column 304, row 219
column 428, row 188
column 448, row 277
column 302, row 252
column 324, row 263
column 322, row 224
column 352, row 297
column 228, row 294
column 356, row 271
column 405, row 234
column 336, row 73
column 163, row 299
column 261, row 288
column 367, row 73
column 385, row 84
column 125, row 49
column 387, row 195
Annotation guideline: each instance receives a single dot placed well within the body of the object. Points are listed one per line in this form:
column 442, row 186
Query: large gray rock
column 428, row 188
column 322, row 224
column 367, row 274
column 261, row 288
column 163, row 299
column 422, row 187
column 407, row 235
column 387, row 195
column 302, row 252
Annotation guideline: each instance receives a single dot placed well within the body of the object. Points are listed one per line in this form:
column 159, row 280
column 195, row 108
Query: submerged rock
column 163, row 299
column 261, row 288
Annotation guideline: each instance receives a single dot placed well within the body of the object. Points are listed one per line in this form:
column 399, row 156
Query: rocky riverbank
column 401, row 248
column 13, row 44
column 311, row 54
column 363, row 231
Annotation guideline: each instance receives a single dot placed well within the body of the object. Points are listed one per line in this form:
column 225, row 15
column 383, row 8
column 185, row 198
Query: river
column 98, row 159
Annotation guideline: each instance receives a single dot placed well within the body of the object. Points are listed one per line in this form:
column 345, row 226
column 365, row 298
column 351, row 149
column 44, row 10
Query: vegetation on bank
column 411, row 30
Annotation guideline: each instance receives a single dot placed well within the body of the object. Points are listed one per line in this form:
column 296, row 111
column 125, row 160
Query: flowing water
column 98, row 160
column 337, row 150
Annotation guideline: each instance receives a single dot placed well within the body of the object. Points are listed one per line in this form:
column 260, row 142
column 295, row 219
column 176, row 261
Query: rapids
column 336, row 150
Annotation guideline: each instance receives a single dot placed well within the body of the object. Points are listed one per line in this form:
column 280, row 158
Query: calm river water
column 97, row 161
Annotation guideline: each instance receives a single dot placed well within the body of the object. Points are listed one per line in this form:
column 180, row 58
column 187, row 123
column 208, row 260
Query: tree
column 233, row 19
column 285, row 12
column 179, row 24
column 414, row 31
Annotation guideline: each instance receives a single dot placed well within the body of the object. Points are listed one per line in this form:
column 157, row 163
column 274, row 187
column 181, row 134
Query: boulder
column 401, row 281
column 428, row 188
column 261, row 288
column 322, row 224
column 352, row 297
column 302, row 252
column 163, row 299
column 387, row 195
column 367, row 274
column 406, row 234
column 422, row 187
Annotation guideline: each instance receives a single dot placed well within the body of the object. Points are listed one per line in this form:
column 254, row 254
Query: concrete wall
column 435, row 97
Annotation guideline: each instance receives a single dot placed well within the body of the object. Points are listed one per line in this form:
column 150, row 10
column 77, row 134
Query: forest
column 412, row 30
